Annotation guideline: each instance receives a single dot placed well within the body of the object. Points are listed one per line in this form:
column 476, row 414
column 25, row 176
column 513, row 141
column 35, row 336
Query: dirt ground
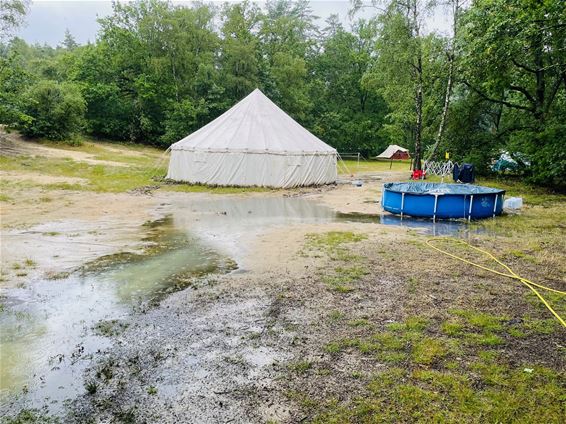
column 255, row 345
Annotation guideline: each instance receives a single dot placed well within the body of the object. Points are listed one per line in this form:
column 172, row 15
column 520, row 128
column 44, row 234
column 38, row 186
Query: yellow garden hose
column 511, row 273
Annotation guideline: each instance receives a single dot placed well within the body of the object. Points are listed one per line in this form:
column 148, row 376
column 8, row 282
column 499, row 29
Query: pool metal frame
column 436, row 195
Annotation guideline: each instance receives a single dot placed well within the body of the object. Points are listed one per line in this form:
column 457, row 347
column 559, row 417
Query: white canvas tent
column 253, row 144
column 394, row 152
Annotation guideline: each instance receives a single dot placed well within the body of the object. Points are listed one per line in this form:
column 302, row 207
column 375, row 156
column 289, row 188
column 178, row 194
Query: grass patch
column 30, row 416
column 333, row 239
column 300, row 367
column 481, row 320
column 349, row 166
column 500, row 394
column 361, row 322
column 109, row 328
column 415, row 323
column 428, row 350
column 335, row 316
column 452, row 328
column 541, row 326
column 342, row 278
column 139, row 171
column 28, row 262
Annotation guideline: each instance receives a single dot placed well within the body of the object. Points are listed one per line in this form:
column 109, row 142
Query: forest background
column 158, row 71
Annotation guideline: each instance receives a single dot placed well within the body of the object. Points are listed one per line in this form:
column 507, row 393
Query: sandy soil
column 223, row 350
column 214, row 354
column 12, row 144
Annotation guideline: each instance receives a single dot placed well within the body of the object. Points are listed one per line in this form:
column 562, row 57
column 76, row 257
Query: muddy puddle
column 51, row 327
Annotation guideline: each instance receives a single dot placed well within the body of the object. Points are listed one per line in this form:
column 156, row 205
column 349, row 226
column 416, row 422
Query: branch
column 501, row 102
column 561, row 77
column 526, row 68
column 525, row 92
column 500, row 134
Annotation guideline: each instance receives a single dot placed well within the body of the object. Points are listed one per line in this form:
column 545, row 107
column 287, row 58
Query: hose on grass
column 511, row 274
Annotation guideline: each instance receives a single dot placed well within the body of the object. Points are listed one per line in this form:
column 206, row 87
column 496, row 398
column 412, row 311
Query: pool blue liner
column 442, row 201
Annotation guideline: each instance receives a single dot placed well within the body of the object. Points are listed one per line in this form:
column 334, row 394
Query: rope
column 153, row 171
column 511, row 274
column 343, row 163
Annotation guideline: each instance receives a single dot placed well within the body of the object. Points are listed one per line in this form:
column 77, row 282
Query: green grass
column 30, row 416
column 428, row 350
column 102, row 178
column 350, row 166
column 335, row 315
column 342, row 278
column 300, row 367
column 335, row 245
column 333, row 239
column 361, row 322
column 480, row 320
column 432, row 386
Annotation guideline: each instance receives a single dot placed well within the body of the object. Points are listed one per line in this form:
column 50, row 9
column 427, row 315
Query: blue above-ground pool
column 442, row 201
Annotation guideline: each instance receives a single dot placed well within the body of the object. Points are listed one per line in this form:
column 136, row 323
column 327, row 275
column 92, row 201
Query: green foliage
column 434, row 384
column 12, row 13
column 53, row 110
column 513, row 59
column 182, row 120
column 31, row 416
column 159, row 71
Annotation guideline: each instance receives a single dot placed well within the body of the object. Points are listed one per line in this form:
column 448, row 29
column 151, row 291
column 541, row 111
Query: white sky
column 47, row 19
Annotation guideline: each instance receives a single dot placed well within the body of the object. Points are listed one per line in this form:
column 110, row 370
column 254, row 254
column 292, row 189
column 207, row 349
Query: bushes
column 52, row 110
column 182, row 120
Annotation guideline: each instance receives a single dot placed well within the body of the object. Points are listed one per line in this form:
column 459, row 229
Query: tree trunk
column 417, row 164
column 447, row 96
column 449, row 84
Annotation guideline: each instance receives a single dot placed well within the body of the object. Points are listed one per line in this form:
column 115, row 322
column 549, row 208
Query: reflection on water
column 46, row 328
column 454, row 228
column 229, row 224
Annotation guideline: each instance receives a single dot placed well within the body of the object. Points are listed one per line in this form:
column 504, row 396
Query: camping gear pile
column 464, row 173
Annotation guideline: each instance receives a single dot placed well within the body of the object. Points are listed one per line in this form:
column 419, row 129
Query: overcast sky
column 47, row 20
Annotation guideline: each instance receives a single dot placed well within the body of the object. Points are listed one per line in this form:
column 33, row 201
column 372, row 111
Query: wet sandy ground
column 214, row 352
column 219, row 352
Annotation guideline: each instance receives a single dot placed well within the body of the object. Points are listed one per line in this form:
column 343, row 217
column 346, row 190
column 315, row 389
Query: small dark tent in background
column 394, row 152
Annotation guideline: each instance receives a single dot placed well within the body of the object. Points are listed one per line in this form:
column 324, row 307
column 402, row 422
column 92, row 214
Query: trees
column 346, row 112
column 456, row 7
column 240, row 54
column 514, row 58
column 54, row 111
column 156, row 58
column 159, row 71
column 12, row 13
column 401, row 69
column 69, row 42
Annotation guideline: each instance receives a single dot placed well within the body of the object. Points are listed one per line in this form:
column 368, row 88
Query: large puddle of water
column 51, row 328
